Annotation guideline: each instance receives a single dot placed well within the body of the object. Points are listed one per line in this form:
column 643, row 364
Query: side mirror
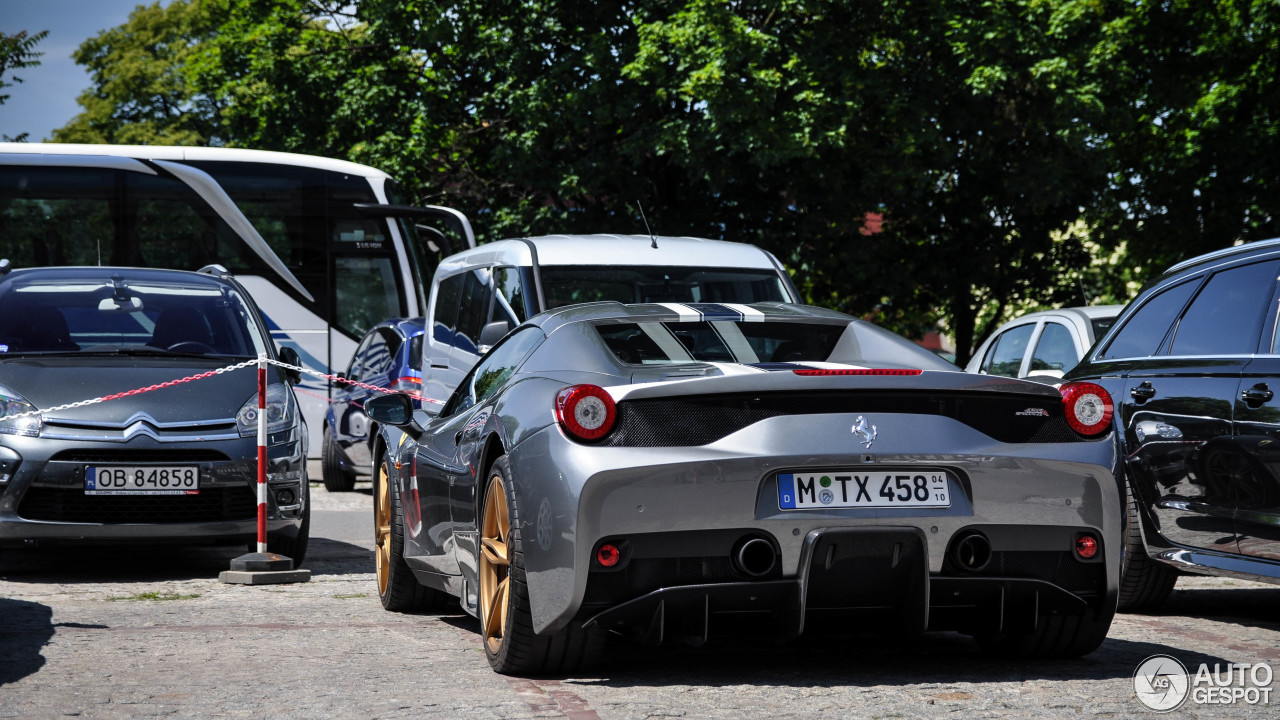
column 491, row 334
column 392, row 409
column 289, row 356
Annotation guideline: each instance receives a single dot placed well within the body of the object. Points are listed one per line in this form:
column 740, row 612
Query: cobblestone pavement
column 115, row 633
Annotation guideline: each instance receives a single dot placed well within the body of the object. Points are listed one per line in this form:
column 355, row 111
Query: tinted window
column 1145, row 329
column 1101, row 326
column 415, row 352
column 1055, row 352
column 357, row 359
column 1226, row 316
column 377, row 359
column 474, row 311
column 446, row 312
column 1006, row 353
column 509, row 300
column 143, row 317
column 647, row 343
column 568, row 284
column 489, row 375
column 365, row 293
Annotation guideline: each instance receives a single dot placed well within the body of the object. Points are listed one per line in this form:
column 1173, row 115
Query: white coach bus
column 326, row 247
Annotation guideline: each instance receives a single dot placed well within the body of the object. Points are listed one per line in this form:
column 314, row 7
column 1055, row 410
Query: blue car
column 389, row 356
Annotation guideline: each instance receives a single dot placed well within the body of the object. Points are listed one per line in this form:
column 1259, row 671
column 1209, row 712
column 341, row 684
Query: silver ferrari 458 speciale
column 671, row 472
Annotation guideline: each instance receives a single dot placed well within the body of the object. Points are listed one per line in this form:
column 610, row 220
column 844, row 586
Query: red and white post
column 262, row 567
column 262, row 453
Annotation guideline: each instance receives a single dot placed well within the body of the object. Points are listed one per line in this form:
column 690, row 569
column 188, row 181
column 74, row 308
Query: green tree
column 909, row 160
column 17, row 52
column 1195, row 94
column 140, row 94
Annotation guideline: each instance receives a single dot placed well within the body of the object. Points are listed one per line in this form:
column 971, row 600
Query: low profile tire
column 335, row 478
column 398, row 589
column 506, row 618
column 1056, row 636
column 1144, row 583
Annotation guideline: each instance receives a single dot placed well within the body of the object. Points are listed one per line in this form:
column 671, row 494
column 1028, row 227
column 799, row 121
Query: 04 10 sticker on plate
column 888, row 488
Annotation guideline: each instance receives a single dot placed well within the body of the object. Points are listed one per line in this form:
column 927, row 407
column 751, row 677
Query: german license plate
column 142, row 480
column 884, row 488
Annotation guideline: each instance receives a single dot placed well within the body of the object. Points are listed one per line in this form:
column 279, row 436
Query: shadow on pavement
column 334, row 557
column 942, row 658
column 140, row 563
column 1252, row 607
column 25, row 628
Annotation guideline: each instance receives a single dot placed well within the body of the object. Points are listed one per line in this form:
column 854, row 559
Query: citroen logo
column 864, row 431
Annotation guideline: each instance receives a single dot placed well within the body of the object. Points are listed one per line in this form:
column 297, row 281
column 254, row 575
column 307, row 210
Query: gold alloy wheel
column 382, row 530
column 495, row 563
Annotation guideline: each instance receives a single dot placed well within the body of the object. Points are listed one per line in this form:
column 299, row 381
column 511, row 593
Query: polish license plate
column 881, row 488
column 142, row 480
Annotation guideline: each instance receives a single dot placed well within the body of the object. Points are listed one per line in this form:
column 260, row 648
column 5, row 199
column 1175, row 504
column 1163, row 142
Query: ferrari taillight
column 586, row 412
column 1088, row 408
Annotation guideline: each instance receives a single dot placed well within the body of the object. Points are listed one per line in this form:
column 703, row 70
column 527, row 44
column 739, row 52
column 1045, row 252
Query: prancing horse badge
column 865, row 431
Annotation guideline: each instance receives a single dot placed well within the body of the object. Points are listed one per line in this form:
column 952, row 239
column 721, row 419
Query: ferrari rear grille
column 700, row 420
column 644, row 575
column 1059, row 568
column 215, row 504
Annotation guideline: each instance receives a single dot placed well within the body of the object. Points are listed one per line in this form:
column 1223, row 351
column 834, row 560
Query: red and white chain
column 348, row 381
column 138, row 391
column 209, row 374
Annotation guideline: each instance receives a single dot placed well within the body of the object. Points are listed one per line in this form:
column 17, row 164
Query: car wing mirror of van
column 491, row 334
column 289, row 356
column 391, row 409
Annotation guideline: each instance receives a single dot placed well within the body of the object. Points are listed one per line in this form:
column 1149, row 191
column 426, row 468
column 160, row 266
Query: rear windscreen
column 649, row 343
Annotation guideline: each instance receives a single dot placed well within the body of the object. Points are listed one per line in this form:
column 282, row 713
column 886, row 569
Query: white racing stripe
column 686, row 313
column 749, row 314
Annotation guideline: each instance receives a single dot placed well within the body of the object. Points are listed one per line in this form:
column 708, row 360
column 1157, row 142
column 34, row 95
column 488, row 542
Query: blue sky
column 46, row 99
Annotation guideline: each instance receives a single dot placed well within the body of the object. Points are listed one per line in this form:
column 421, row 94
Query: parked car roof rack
column 1225, row 252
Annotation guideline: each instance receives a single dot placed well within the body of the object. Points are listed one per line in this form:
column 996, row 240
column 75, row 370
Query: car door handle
column 442, row 363
column 1258, row 394
column 1143, row 392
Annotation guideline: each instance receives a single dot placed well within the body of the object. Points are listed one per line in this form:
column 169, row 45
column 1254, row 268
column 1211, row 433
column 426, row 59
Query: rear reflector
column 859, row 371
column 1087, row 546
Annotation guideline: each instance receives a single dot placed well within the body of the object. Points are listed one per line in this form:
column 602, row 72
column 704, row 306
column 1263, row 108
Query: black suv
column 175, row 463
column 1193, row 365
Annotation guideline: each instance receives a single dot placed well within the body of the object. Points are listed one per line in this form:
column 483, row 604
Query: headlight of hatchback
column 280, row 412
column 17, row 416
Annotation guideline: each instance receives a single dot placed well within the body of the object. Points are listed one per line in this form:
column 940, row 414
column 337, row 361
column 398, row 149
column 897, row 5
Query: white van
column 480, row 294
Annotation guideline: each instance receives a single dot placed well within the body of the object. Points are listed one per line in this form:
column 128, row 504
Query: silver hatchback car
column 1043, row 346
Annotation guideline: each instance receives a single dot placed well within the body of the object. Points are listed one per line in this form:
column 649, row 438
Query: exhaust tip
column 971, row 551
column 755, row 556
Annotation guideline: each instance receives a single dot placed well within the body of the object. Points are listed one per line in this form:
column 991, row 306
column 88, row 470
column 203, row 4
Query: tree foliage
column 17, row 52
column 909, row 160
